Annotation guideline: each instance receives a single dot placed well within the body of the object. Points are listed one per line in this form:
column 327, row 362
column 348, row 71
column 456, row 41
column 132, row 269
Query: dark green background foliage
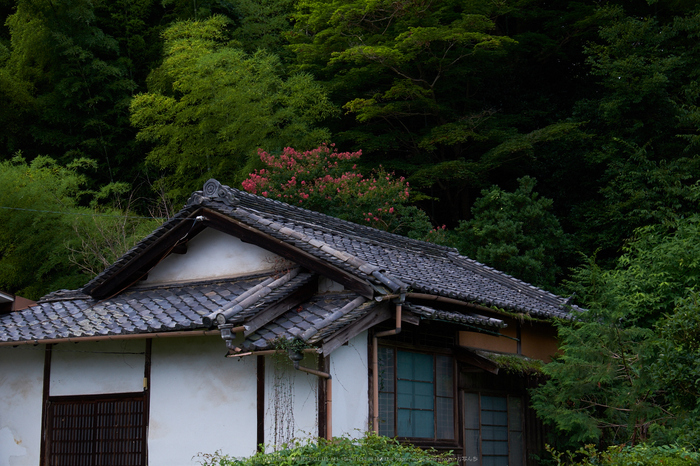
column 124, row 107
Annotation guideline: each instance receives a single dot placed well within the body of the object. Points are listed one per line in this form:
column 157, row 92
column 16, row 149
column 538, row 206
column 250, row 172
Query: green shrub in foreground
column 638, row 455
column 370, row 450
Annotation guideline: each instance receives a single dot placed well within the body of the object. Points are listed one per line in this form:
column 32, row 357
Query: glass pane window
column 493, row 432
column 416, row 394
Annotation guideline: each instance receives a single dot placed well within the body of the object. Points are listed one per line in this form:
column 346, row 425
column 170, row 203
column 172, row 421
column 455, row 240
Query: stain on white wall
column 21, row 387
column 97, row 367
column 201, row 401
column 350, row 372
column 213, row 254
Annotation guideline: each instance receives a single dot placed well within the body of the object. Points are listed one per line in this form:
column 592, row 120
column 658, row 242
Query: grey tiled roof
column 257, row 297
column 71, row 314
column 422, row 267
column 367, row 253
column 391, row 264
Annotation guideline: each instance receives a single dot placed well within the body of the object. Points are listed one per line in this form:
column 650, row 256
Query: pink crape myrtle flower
column 327, row 180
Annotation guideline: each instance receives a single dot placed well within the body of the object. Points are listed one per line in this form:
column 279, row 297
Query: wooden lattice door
column 96, row 431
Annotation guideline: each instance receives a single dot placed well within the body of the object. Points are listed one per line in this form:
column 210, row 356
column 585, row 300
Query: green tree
column 429, row 89
column 263, row 24
column 677, row 368
column 212, row 105
column 79, row 85
column 514, row 232
column 136, row 26
column 33, row 257
column 626, row 373
column 16, row 107
column 49, row 242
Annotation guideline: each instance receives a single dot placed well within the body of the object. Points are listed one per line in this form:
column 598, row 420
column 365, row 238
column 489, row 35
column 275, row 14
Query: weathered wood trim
column 147, row 395
column 323, row 366
column 147, row 259
column 468, row 357
column 277, row 309
column 43, row 459
column 97, row 396
column 410, row 318
column 374, row 317
column 250, row 235
column 260, row 402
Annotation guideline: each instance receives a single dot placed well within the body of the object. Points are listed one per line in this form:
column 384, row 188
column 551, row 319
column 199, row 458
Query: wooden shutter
column 105, row 430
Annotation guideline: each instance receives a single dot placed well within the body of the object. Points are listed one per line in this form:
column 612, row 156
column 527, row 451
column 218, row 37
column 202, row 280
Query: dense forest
column 555, row 140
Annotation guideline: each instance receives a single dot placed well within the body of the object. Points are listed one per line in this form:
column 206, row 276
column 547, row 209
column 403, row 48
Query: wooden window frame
column 455, row 441
column 469, row 456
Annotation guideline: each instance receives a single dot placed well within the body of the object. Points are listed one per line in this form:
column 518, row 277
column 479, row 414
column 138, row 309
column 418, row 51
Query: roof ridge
column 360, row 264
column 249, row 200
column 63, row 295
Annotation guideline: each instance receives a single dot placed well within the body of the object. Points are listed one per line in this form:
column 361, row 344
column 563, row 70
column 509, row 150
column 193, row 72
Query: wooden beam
column 260, row 403
column 469, row 357
column 180, row 249
column 410, row 318
column 121, row 336
column 324, row 366
column 376, row 316
column 249, row 234
column 45, row 405
column 277, row 309
column 146, row 396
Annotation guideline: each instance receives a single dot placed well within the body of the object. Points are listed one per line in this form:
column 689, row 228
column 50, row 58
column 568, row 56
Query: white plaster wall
column 350, row 369
column 201, row 402
column 291, row 400
column 97, row 367
column 326, row 285
column 21, row 387
column 213, row 254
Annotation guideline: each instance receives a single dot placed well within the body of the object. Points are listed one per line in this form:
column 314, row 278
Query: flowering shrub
column 328, row 181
